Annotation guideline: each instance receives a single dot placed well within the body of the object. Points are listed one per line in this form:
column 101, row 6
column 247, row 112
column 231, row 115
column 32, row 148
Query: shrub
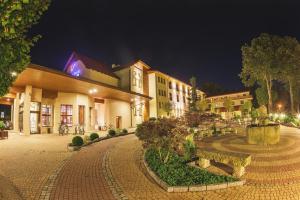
column 176, row 173
column 77, row 141
column 2, row 125
column 124, row 131
column 112, row 132
column 152, row 119
column 86, row 139
column 189, row 150
column 94, row 136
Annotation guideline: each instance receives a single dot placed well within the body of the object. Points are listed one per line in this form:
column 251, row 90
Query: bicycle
column 63, row 129
column 79, row 129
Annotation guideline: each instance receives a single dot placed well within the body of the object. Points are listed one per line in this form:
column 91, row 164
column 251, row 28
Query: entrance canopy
column 53, row 80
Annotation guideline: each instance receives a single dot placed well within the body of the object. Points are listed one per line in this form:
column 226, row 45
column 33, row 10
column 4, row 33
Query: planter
column 263, row 134
column 3, row 134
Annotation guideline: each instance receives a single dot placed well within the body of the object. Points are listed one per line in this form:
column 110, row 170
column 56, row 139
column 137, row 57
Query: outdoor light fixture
column 13, row 74
column 93, row 91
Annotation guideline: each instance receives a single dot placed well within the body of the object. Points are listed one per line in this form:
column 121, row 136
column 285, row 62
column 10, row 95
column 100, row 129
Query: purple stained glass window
column 75, row 69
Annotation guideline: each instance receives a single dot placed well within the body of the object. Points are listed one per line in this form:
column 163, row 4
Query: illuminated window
column 170, row 96
column 46, row 115
column 134, row 78
column 66, row 114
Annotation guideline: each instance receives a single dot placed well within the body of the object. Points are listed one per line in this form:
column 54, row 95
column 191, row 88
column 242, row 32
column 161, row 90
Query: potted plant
column 3, row 133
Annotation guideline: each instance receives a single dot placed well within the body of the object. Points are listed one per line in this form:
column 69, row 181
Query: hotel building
column 87, row 93
column 169, row 95
column 91, row 94
column 216, row 103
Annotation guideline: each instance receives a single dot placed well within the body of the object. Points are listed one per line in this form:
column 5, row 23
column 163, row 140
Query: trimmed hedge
column 176, row 173
column 77, row 141
column 112, row 132
column 94, row 136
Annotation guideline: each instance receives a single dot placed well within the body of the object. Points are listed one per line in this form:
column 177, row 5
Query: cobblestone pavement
column 112, row 169
column 26, row 163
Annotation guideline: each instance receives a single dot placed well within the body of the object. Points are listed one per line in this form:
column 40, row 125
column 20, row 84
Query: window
column 170, row 85
column 66, row 114
column 165, row 94
column 177, row 98
column 242, row 101
column 158, row 79
column 183, row 99
column 177, row 87
column 159, row 104
column 170, row 96
column 46, row 115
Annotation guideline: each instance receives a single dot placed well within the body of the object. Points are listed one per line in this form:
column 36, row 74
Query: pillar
column 26, row 112
column 16, row 113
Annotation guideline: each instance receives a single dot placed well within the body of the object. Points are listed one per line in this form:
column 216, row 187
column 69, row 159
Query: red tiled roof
column 92, row 64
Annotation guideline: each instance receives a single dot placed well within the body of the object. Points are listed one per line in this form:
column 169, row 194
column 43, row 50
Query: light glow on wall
column 75, row 69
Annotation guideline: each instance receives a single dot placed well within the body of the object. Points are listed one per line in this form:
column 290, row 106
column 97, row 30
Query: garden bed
column 176, row 176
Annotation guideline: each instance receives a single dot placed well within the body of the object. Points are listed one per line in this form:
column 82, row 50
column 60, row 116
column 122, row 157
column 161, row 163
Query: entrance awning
column 53, row 80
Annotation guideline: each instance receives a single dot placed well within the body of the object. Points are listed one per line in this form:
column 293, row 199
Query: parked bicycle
column 63, row 129
column 79, row 129
column 105, row 127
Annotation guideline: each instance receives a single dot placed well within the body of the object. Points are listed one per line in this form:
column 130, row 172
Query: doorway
column 34, row 117
column 81, row 115
column 118, row 122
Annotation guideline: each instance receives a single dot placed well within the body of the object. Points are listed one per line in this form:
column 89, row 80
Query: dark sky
column 180, row 37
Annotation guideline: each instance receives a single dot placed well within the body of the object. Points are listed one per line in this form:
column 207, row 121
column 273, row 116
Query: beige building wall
column 115, row 108
column 152, row 93
column 124, row 75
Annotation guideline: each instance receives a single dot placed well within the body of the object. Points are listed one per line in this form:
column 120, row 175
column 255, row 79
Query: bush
column 86, row 139
column 124, row 131
column 2, row 125
column 176, row 173
column 189, row 150
column 77, row 141
column 112, row 132
column 94, row 136
column 152, row 119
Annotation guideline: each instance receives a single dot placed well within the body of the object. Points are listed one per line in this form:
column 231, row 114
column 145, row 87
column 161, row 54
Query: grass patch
column 176, row 173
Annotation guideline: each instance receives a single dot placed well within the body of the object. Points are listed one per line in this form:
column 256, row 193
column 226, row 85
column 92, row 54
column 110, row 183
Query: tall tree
column 262, row 97
column 16, row 17
column 260, row 63
column 289, row 72
column 193, row 95
column 202, row 105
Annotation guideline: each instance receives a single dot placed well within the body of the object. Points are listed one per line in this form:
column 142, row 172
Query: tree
column 260, row 63
column 228, row 104
column 16, row 17
column 289, row 72
column 202, row 105
column 246, row 107
column 262, row 96
column 193, row 95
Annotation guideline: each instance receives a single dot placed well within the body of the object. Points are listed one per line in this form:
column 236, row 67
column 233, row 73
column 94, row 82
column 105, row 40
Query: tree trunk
column 269, row 89
column 291, row 97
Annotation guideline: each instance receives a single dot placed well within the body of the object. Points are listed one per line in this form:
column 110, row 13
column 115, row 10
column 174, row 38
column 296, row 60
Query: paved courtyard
column 112, row 169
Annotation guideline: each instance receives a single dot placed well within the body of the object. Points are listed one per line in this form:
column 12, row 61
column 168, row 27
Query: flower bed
column 176, row 173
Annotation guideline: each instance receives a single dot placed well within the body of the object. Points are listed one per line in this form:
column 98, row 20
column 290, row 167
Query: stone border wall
column 191, row 188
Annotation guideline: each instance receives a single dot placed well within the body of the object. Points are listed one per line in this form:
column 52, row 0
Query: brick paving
column 113, row 169
column 27, row 162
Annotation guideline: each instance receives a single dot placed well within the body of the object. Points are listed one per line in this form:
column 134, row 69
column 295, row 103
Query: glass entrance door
column 34, row 121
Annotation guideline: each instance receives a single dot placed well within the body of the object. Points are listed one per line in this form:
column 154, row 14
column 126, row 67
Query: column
column 16, row 113
column 26, row 113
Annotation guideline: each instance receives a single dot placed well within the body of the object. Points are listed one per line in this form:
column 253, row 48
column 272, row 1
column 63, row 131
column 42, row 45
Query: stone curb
column 191, row 188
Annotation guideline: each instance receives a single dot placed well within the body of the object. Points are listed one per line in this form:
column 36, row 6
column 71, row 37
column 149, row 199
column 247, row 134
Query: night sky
column 180, row 37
